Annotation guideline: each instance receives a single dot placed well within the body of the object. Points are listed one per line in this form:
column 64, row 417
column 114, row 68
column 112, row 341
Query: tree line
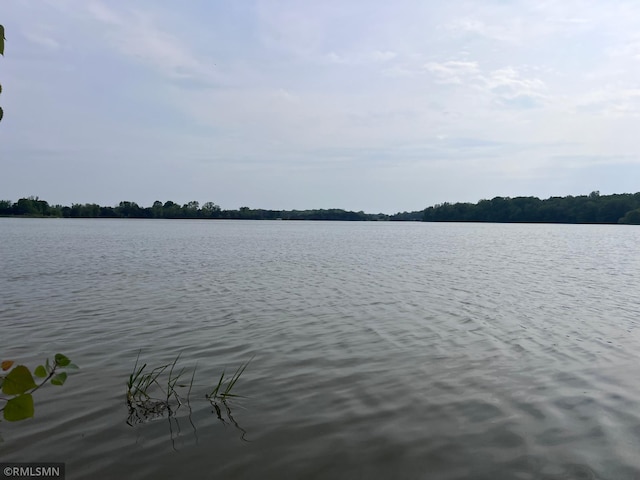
column 35, row 207
column 592, row 208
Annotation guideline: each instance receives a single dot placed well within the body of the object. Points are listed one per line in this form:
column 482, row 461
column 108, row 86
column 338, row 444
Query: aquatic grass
column 217, row 393
column 149, row 396
column 140, row 383
column 193, row 376
column 172, row 382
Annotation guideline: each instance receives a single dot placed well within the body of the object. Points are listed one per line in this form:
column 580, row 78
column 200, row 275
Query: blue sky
column 363, row 105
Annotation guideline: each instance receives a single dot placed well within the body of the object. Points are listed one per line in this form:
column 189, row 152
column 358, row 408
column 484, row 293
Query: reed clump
column 160, row 391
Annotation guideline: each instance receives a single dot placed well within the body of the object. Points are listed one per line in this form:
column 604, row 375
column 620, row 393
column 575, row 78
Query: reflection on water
column 382, row 350
column 223, row 412
column 176, row 417
column 146, row 410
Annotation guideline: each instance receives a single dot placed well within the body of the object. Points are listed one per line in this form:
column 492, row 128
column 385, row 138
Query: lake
column 378, row 350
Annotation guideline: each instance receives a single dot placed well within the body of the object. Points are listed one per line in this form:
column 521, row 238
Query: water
column 381, row 350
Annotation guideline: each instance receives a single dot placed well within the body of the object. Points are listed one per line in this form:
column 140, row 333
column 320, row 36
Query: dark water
column 382, row 350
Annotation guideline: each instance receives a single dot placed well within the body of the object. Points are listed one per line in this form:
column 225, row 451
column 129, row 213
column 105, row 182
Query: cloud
column 580, row 161
column 509, row 32
column 137, row 34
column 453, row 72
column 359, row 58
column 505, row 86
column 378, row 56
column 42, row 39
column 511, row 88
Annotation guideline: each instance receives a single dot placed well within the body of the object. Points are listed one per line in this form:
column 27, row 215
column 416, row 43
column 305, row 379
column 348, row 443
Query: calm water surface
column 382, row 350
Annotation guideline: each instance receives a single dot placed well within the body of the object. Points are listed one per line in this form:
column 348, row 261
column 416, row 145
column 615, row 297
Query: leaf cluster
column 18, row 384
column 2, row 39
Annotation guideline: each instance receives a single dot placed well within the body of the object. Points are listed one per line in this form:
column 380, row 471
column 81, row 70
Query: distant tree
column 55, row 210
column 76, row 210
column 244, row 213
column 614, row 207
column 88, row 210
column 128, row 210
column 171, row 210
column 632, row 217
column 6, row 208
column 31, row 206
column 191, row 209
column 156, row 209
column 210, row 210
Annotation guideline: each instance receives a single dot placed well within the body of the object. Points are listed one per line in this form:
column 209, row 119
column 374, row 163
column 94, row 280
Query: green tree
column 128, row 209
column 210, row 210
column 5, row 207
column 632, row 217
column 156, row 209
column 31, row 206
column 171, row 210
column 190, row 210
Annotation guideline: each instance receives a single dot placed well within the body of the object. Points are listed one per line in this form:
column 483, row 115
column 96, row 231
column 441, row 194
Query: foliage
column 2, row 39
column 35, row 207
column 632, row 217
column 592, row 208
column 19, row 384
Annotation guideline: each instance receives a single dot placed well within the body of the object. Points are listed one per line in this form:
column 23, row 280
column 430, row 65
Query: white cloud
column 510, row 31
column 138, row 34
column 42, row 39
column 379, row 56
column 453, row 72
column 507, row 85
column 513, row 89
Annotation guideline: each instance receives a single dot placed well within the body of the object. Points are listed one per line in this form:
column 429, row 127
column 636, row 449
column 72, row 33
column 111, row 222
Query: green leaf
column 40, row 371
column 73, row 366
column 47, row 365
column 59, row 379
column 1, row 113
column 18, row 381
column 2, row 39
column 19, row 408
column 62, row 360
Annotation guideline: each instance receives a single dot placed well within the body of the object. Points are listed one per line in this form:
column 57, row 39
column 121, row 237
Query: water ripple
column 380, row 350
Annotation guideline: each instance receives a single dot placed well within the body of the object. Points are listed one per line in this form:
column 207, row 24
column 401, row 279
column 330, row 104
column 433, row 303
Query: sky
column 363, row 105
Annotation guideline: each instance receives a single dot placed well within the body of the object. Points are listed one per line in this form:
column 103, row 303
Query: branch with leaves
column 2, row 39
column 19, row 384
